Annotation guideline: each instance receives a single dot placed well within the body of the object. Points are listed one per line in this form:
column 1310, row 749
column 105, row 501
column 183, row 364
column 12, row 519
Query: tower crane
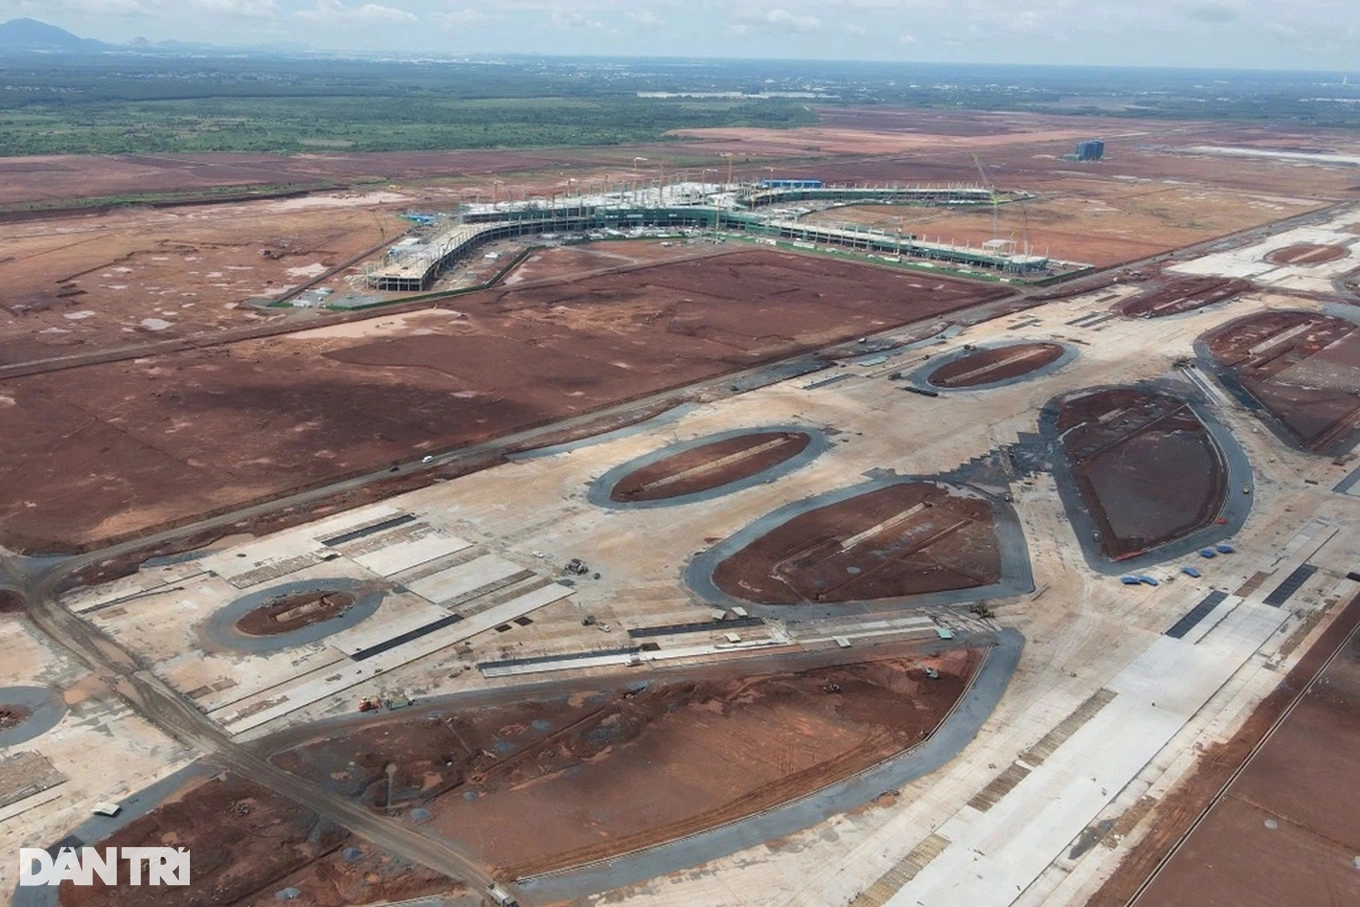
column 991, row 192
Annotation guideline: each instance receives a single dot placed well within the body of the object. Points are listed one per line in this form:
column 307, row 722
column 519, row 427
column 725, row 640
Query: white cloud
column 463, row 18
column 906, row 40
column 646, row 17
column 255, row 9
column 573, row 19
column 783, row 18
column 95, row 7
column 335, row 12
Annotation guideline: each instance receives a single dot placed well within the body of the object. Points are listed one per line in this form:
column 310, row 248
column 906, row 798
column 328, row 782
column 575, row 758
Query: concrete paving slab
column 412, row 552
column 464, row 578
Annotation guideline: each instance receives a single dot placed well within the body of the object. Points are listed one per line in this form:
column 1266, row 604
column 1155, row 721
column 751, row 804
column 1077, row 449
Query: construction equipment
column 991, row 192
column 369, row 704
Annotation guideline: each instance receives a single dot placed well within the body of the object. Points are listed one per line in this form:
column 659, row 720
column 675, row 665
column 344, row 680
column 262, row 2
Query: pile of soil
column 293, row 612
column 11, row 716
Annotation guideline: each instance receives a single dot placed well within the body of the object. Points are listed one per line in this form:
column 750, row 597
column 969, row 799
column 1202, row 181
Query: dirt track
column 906, row 539
column 98, row 451
column 547, row 784
column 1145, row 465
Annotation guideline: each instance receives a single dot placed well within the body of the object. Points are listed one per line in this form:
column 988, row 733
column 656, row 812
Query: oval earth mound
column 1145, row 466
column 1306, row 254
column 1304, row 367
column 709, row 466
column 988, row 366
column 910, row 538
column 293, row 612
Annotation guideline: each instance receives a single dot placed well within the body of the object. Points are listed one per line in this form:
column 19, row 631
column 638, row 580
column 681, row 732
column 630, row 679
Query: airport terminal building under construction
column 770, row 208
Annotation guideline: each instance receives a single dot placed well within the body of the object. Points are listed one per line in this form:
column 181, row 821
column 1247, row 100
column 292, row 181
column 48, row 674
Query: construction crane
column 991, row 192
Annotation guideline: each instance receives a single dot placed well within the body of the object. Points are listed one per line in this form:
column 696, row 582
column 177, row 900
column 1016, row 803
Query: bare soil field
column 247, row 844
column 1285, row 832
column 79, row 284
column 1174, row 295
column 1145, row 198
column 539, row 785
column 988, row 366
column 906, row 539
column 293, row 612
column 1144, row 464
column 1026, row 151
column 923, row 121
column 1307, row 254
column 1086, row 219
column 1304, row 367
column 56, row 178
column 709, row 466
column 578, row 261
column 99, row 451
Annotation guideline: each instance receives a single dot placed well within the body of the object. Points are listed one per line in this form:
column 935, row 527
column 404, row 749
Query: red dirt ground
column 1306, row 254
column 74, row 285
column 293, row 612
column 538, row 785
column 66, row 177
column 906, row 539
column 1304, row 367
column 1180, row 294
column 246, row 843
column 1146, row 467
column 100, row 451
column 128, row 562
column 1303, row 781
column 709, row 466
column 987, row 366
column 577, row 261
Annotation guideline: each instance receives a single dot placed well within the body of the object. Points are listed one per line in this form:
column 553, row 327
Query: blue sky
column 1284, row 34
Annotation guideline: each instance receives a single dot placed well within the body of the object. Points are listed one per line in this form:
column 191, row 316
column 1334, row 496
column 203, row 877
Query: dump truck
column 499, row 896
